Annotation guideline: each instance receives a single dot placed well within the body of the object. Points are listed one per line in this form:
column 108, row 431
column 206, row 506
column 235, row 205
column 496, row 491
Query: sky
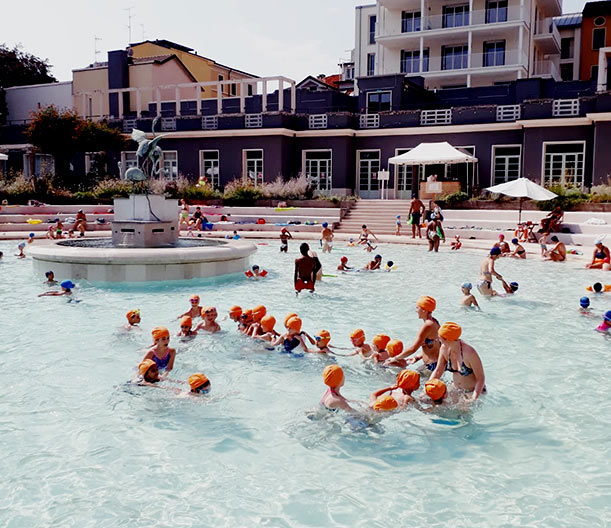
column 262, row 37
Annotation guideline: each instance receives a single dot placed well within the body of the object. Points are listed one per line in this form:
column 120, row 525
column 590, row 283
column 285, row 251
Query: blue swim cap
column 607, row 315
column 495, row 251
column 21, row 245
column 325, row 224
column 467, row 285
column 47, row 273
column 255, row 267
column 67, row 284
column 584, row 302
column 398, row 216
column 378, row 257
column 351, row 240
column 514, row 240
column 31, row 235
column 514, row 286
column 390, row 263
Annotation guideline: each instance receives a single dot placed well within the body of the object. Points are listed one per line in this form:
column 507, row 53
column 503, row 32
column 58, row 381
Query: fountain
column 145, row 243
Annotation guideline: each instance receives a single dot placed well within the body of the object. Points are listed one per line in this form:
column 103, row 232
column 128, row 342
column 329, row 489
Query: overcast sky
column 263, row 37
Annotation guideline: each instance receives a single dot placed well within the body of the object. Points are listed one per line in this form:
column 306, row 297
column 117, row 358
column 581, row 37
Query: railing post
column 219, row 98
column 243, row 89
column 264, row 105
column 138, row 103
column 177, row 101
column 280, row 94
column 158, row 100
column 293, row 97
column 198, row 98
column 120, row 94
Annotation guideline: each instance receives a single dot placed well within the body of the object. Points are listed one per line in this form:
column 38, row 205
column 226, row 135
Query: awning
column 433, row 154
column 3, row 157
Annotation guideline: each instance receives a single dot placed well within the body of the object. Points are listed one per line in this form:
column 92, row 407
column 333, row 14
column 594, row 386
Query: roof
column 568, row 20
column 309, row 80
column 432, row 154
column 597, row 8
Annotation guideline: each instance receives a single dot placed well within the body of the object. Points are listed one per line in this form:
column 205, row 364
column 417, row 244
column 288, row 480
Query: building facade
column 595, row 38
column 458, row 44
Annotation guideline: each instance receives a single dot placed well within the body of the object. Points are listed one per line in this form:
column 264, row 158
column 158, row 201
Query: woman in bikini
column 486, row 271
column 461, row 360
column 519, row 251
column 601, row 258
column 427, row 339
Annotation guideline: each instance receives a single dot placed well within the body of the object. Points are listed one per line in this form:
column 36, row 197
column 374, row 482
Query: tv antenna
column 96, row 52
column 129, row 21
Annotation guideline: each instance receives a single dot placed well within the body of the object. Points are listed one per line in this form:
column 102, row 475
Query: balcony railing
column 317, row 121
column 396, row 26
column 253, row 120
column 436, row 117
column 457, row 62
column 128, row 125
column 565, row 107
column 545, row 68
column 210, row 122
column 508, row 112
column 369, row 121
column 168, row 124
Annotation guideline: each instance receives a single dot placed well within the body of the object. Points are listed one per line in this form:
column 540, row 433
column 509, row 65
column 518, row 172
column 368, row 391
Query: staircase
column 380, row 216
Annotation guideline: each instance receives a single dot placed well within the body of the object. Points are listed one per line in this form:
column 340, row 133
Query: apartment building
column 569, row 28
column 595, row 50
column 458, row 43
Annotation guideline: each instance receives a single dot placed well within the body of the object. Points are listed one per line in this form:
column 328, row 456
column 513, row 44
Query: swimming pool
column 82, row 449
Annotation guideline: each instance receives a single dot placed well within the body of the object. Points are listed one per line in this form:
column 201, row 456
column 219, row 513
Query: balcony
column 492, row 61
column 395, row 34
column 546, row 68
column 547, row 37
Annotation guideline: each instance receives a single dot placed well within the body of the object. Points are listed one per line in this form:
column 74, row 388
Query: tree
column 19, row 68
column 63, row 134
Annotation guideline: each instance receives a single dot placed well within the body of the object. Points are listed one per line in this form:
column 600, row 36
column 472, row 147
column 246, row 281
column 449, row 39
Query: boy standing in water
column 327, row 238
column 306, row 268
column 284, row 240
column 469, row 299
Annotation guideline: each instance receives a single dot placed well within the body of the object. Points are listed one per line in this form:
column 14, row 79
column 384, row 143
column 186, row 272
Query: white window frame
column 304, row 170
column 358, row 168
column 492, row 162
column 373, row 71
column 43, row 161
column 377, row 92
column 173, row 164
column 125, row 163
column 398, row 152
column 580, row 142
column 259, row 176
column 448, row 165
column 213, row 179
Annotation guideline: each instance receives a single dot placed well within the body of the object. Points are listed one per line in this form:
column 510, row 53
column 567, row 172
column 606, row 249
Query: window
column 567, row 45
column 44, row 165
column 128, row 160
column 317, row 168
column 594, row 72
column 598, row 38
column 234, row 89
column 455, row 16
column 454, row 57
column 170, row 164
column 95, row 162
column 372, row 30
column 249, row 89
column 410, row 61
column 404, row 175
column 378, row 102
column 494, row 53
column 506, row 163
column 371, row 61
column 209, row 166
column 368, row 167
column 496, row 11
column 599, row 21
column 410, row 21
column 566, row 72
column 221, row 78
column 564, row 164
column 253, row 165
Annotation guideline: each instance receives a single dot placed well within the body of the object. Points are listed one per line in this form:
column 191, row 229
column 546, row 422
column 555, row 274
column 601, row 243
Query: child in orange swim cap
column 199, row 383
column 160, row 352
column 357, row 337
column 267, row 332
column 195, row 311
column 332, row 400
column 234, row 313
column 133, row 318
column 245, row 321
column 322, row 342
column 258, row 313
column 292, row 338
column 394, row 348
column 436, row 390
column 186, row 328
column 209, row 324
column 379, row 343
column 408, row 381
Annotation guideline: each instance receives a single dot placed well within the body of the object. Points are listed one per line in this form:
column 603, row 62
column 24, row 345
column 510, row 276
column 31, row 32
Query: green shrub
column 601, row 193
column 450, row 200
column 113, row 188
column 568, row 197
column 242, row 191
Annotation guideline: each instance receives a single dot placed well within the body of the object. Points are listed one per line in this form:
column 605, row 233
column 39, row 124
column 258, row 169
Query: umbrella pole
column 520, row 213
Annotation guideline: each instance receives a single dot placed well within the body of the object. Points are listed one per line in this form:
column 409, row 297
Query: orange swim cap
column 385, row 403
column 322, row 338
column 394, row 347
column 427, row 303
column 435, row 389
column 235, row 311
column 450, row 331
column 286, row 319
column 380, row 341
column 197, row 380
column 408, row 380
column 333, row 376
column 194, row 297
column 207, row 310
column 131, row 314
column 358, row 334
column 247, row 316
column 159, row 332
column 186, row 321
column 294, row 323
column 268, row 322
column 145, row 365
column 258, row 313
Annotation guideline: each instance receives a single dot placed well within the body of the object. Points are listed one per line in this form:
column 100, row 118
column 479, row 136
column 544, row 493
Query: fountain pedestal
column 145, row 221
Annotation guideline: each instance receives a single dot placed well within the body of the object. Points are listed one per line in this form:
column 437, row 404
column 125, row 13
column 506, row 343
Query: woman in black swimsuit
column 461, row 360
column 519, row 251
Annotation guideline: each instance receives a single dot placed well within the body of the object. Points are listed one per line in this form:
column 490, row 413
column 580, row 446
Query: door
column 404, row 175
column 368, row 167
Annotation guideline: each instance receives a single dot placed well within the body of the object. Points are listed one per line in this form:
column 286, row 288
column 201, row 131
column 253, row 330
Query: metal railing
column 210, row 122
column 253, row 120
column 168, row 124
column 565, row 107
column 317, row 121
column 129, row 125
column 436, row 117
column 508, row 112
column 369, row 121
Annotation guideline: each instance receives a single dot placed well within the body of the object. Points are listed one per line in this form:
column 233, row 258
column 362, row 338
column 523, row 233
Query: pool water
column 81, row 448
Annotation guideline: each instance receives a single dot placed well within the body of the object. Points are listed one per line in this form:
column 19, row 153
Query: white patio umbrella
column 522, row 188
column 3, row 157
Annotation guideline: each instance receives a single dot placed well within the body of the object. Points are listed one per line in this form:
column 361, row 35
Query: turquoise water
column 82, row 449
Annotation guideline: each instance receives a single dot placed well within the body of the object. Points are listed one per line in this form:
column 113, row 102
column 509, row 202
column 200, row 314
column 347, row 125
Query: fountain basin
column 96, row 260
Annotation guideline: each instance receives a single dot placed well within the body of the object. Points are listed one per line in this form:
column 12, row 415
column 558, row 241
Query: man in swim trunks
column 306, row 268
column 486, row 271
column 326, row 238
column 416, row 210
column 558, row 252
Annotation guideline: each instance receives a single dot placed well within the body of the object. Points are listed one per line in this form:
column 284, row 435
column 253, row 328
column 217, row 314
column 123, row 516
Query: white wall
column 361, row 41
column 23, row 100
